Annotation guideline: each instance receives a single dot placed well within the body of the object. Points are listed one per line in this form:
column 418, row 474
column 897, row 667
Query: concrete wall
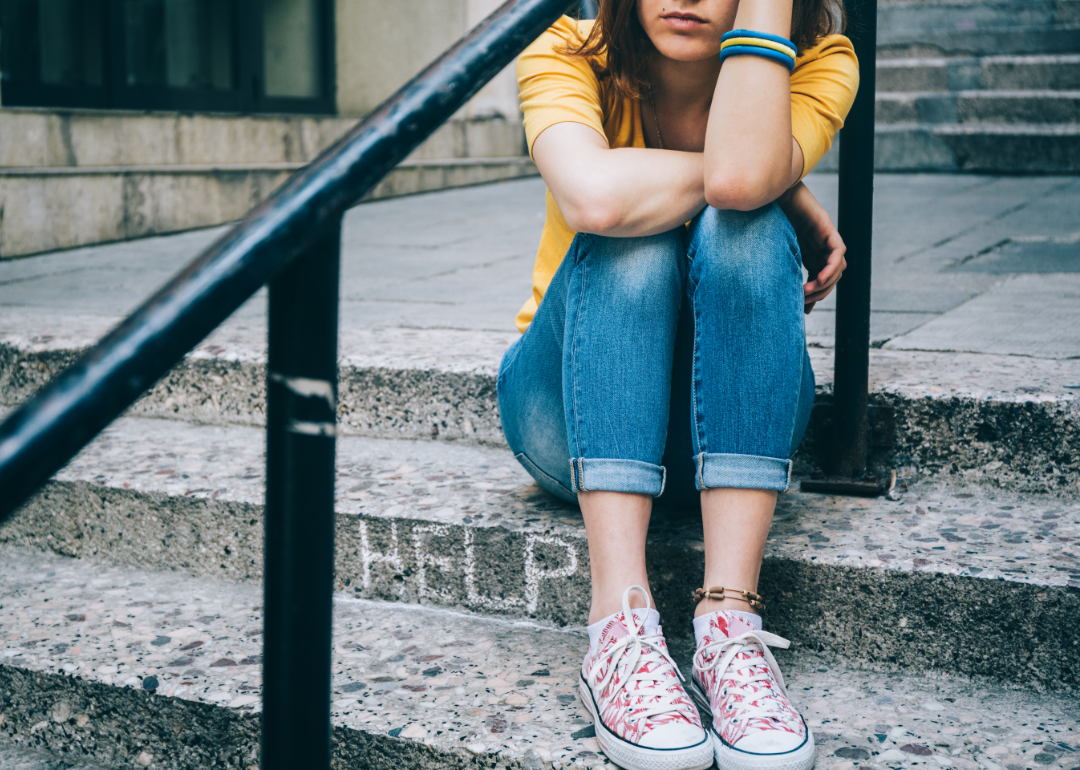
column 500, row 96
column 381, row 45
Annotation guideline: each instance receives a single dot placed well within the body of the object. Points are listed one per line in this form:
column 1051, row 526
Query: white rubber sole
column 633, row 757
column 730, row 758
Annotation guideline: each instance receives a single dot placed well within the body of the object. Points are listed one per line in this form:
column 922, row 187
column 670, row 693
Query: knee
column 754, row 253
column 637, row 270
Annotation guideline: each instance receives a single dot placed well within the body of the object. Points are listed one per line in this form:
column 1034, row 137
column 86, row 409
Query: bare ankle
column 705, row 606
column 607, row 603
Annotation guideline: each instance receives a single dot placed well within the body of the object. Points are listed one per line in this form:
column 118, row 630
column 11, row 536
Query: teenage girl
column 664, row 351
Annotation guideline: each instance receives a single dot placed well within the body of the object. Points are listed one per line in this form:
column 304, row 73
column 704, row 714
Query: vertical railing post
column 856, row 212
column 301, row 412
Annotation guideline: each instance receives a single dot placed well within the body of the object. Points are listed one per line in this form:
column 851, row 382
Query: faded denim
column 667, row 364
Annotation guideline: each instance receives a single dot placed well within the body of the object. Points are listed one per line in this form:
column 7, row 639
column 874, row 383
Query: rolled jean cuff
column 716, row 471
column 632, row 476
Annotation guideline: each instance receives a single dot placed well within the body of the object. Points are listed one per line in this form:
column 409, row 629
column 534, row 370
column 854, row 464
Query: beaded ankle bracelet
column 719, row 592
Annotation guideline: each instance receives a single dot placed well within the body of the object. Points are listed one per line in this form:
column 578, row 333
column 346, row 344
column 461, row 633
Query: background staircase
column 987, row 87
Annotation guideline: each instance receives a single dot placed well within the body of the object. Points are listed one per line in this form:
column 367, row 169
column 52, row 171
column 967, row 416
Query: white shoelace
column 761, row 704
column 651, row 684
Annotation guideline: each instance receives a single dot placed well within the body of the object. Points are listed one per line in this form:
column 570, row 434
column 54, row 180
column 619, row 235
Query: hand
column 822, row 248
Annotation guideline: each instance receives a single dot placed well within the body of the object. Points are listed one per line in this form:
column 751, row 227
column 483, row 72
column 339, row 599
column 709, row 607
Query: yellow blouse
column 559, row 88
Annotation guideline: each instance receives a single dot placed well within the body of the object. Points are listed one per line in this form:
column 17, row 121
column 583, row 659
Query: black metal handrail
column 855, row 221
column 292, row 243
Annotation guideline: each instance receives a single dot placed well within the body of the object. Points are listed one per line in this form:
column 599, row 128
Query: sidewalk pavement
column 976, row 264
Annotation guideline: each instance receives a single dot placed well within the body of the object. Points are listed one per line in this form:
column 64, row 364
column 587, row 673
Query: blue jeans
column 667, row 364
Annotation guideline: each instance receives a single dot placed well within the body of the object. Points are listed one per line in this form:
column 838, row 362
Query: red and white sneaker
column 644, row 719
column 754, row 726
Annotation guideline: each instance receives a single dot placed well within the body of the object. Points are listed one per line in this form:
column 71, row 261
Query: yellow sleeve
column 823, row 86
column 556, row 87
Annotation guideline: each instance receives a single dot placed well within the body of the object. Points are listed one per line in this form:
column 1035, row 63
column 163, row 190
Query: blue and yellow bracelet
column 741, row 42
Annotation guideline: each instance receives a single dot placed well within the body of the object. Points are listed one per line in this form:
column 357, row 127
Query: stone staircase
column 75, row 177
column 934, row 629
column 937, row 627
column 975, row 86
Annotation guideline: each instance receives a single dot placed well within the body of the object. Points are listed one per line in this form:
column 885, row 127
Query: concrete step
column 49, row 208
column 978, row 27
column 460, row 526
column 992, row 73
column 938, row 415
column 76, row 177
column 69, row 138
column 980, row 148
column 914, row 20
column 993, row 41
column 1017, row 148
column 134, row 667
column 23, row 759
column 978, row 107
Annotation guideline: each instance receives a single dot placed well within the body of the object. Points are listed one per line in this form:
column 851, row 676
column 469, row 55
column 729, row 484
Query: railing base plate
column 867, row 486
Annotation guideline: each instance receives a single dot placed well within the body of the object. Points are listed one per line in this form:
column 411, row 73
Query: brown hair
column 618, row 33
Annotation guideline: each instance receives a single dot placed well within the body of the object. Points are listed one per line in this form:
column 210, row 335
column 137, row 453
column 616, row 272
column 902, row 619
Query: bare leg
column 736, row 524
column 616, row 524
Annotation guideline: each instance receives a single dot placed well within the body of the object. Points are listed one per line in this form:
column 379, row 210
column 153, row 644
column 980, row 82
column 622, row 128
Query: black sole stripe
column 616, row 736
column 702, row 701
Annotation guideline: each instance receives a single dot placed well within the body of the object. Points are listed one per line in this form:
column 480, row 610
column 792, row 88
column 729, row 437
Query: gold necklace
column 656, row 118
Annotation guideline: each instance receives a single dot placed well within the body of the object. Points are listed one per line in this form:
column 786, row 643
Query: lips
column 683, row 20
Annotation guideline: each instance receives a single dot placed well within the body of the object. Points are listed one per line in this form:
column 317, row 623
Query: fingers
column 827, row 277
column 817, row 296
column 829, row 273
column 816, row 291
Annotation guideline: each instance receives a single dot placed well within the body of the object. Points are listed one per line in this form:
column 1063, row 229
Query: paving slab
column 465, row 526
column 462, row 259
column 1027, row 255
column 110, row 663
column 392, row 254
column 1029, row 315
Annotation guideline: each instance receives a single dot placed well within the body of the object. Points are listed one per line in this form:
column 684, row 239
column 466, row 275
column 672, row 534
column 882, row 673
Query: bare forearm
column 622, row 192
column 792, row 197
column 748, row 147
column 647, row 191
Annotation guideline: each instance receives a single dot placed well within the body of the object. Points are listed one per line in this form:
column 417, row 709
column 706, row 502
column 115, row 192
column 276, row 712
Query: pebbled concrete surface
column 1038, row 316
column 17, row 759
column 1007, row 421
column 91, row 672
column 463, row 526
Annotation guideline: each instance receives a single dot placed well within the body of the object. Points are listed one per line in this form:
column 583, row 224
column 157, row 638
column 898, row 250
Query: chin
column 684, row 48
